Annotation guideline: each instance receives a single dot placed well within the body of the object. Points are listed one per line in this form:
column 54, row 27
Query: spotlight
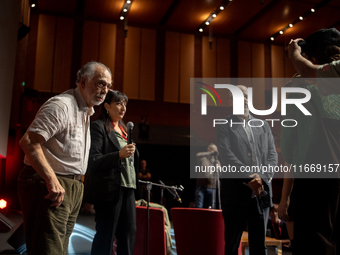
column 3, row 204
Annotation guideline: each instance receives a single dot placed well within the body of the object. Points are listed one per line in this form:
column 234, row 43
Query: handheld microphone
column 129, row 126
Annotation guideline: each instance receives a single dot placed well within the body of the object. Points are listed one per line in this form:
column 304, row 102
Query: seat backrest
column 157, row 238
column 198, row 231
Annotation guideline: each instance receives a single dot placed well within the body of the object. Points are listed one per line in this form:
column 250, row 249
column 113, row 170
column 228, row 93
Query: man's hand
column 31, row 145
column 256, row 184
column 258, row 191
column 55, row 193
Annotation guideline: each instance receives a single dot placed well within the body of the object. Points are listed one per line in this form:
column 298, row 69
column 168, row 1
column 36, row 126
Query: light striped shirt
column 63, row 121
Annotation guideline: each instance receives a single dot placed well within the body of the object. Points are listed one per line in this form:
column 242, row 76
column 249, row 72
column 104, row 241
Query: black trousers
column 317, row 216
column 116, row 220
column 236, row 217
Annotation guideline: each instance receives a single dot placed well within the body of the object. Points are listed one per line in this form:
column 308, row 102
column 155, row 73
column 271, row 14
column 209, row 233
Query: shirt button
column 249, row 154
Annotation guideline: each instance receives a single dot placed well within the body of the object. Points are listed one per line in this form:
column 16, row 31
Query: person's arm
column 301, row 65
column 103, row 161
column 287, row 188
column 144, row 177
column 226, row 153
column 265, row 178
column 201, row 155
column 31, row 145
column 272, row 157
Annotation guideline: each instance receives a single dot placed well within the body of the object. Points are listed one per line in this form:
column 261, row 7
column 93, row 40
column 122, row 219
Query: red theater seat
column 157, row 239
column 198, row 231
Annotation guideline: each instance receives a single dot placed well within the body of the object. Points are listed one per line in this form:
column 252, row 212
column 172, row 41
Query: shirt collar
column 81, row 103
column 241, row 119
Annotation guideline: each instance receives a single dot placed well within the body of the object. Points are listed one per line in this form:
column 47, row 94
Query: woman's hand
column 127, row 151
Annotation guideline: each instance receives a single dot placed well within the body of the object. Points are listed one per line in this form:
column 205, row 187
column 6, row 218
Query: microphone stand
column 148, row 188
column 162, row 194
column 218, row 190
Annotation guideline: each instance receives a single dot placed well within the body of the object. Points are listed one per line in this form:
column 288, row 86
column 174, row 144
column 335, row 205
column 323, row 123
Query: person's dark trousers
column 317, row 216
column 47, row 229
column 236, row 217
column 205, row 197
column 116, row 220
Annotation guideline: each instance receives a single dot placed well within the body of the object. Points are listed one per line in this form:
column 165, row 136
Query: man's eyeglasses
column 101, row 85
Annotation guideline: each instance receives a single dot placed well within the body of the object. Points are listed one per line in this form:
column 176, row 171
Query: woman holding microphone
column 113, row 178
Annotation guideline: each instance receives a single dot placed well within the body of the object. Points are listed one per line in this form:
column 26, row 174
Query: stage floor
column 81, row 238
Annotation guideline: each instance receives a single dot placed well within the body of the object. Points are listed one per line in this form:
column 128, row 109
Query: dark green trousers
column 47, row 229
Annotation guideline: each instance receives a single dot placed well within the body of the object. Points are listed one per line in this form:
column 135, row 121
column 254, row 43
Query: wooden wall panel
column 90, row 50
column 107, row 45
column 289, row 69
column 132, row 62
column 187, row 59
column 277, row 61
column 278, row 70
column 223, row 57
column 171, row 67
column 257, row 53
column 63, row 56
column 45, row 52
column 258, row 71
column 209, row 65
column 223, row 68
column 244, row 59
column 148, row 65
